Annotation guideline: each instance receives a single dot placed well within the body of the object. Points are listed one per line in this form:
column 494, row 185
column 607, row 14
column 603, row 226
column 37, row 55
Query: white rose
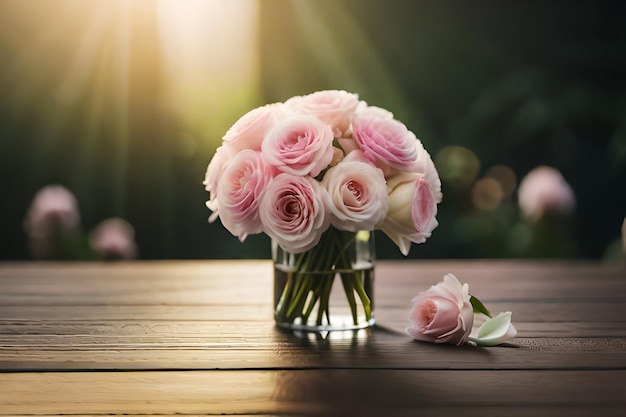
column 424, row 165
column 412, row 210
column 357, row 194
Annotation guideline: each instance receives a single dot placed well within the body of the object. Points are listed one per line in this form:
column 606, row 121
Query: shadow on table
column 361, row 371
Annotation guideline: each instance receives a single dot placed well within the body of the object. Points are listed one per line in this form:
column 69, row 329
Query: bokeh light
column 487, row 194
column 457, row 165
column 506, row 178
column 125, row 101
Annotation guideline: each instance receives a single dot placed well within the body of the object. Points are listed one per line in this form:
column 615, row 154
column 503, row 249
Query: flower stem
column 309, row 278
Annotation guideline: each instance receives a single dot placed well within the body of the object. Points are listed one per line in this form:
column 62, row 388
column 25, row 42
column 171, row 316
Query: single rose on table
column 445, row 313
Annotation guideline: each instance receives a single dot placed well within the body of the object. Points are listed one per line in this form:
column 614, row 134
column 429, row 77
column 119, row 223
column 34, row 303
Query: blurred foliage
column 482, row 84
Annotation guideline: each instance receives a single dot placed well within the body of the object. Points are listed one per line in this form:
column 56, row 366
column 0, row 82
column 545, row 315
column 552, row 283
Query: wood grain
column 197, row 338
column 334, row 391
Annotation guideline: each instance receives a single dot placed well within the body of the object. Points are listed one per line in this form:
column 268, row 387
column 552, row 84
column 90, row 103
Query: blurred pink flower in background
column 52, row 218
column 544, row 190
column 114, row 239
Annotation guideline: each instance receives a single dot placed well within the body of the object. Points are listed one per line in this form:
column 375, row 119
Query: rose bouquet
column 316, row 173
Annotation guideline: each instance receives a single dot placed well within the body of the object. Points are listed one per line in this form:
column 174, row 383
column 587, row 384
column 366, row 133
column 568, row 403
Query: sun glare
column 210, row 57
column 100, row 74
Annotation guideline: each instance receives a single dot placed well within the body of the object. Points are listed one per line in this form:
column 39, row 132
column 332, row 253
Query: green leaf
column 479, row 307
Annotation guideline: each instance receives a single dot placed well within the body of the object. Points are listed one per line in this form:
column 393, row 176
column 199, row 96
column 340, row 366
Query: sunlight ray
column 81, row 67
column 75, row 82
column 120, row 129
column 348, row 56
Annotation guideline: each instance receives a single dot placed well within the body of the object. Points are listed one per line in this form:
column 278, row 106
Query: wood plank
column 133, row 316
column 261, row 346
column 323, row 392
column 213, row 319
column 141, row 283
column 77, row 333
column 237, row 282
column 390, row 307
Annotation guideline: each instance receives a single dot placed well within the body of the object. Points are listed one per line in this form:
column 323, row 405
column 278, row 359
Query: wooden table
column 197, row 338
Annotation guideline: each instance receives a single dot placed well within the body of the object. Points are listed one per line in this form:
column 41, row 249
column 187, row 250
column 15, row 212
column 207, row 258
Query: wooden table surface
column 198, row 338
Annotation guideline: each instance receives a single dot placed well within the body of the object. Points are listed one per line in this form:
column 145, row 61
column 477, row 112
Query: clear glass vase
column 328, row 287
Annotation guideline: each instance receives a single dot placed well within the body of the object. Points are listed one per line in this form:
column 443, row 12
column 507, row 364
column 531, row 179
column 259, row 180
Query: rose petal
column 496, row 330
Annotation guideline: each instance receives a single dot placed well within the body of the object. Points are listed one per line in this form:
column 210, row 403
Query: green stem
column 365, row 299
column 309, row 284
column 349, row 290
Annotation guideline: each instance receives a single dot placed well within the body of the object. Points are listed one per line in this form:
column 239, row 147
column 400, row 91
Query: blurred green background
column 125, row 101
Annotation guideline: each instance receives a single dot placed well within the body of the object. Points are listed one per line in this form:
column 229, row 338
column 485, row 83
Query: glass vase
column 328, row 287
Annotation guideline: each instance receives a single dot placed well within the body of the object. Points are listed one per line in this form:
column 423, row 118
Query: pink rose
column 442, row 314
column 386, row 142
column 240, row 188
column 114, row 239
column 544, row 190
column 248, row 132
column 52, row 222
column 333, row 107
column 293, row 213
column 54, row 208
column 213, row 174
column 357, row 193
column 299, row 145
column 412, row 210
column 364, row 110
